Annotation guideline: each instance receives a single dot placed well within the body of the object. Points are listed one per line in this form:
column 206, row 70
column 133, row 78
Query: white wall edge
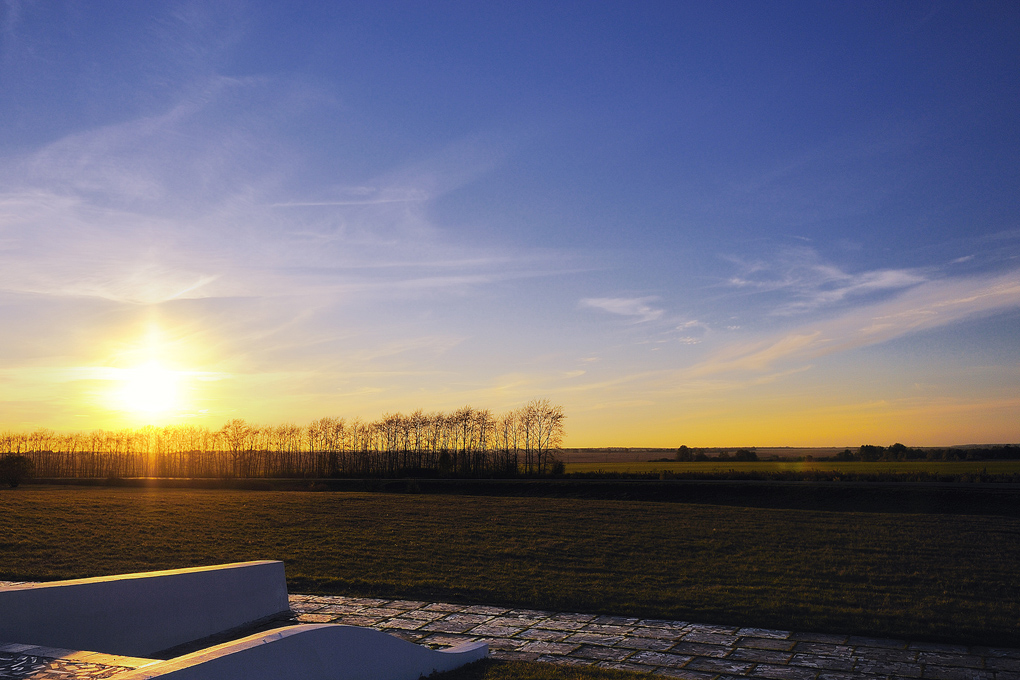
column 141, row 614
column 313, row 652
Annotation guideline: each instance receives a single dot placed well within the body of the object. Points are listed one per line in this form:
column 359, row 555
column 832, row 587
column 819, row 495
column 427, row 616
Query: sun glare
column 149, row 389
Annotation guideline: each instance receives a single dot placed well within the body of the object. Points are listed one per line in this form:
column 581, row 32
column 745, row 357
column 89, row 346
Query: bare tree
column 548, row 426
column 235, row 435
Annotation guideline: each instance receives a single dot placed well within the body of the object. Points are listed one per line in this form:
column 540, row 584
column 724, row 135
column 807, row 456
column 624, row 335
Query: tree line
column 468, row 442
column 866, row 453
column 685, row 454
column 896, row 452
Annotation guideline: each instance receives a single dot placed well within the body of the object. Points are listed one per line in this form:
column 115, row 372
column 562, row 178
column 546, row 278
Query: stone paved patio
column 671, row 648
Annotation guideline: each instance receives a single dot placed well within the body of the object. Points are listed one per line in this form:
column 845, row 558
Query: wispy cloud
column 59, row 245
column 638, row 308
column 691, row 332
column 140, row 212
column 363, row 196
column 805, row 282
column 922, row 307
column 11, row 17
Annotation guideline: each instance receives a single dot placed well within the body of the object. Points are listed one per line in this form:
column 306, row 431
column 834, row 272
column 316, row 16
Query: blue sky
column 704, row 223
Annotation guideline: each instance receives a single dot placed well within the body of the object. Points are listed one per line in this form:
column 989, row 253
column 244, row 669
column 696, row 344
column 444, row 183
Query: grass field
column 939, row 577
column 710, row 466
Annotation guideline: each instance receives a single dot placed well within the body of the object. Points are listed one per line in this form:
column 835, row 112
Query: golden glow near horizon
column 149, row 379
column 149, row 389
column 161, row 370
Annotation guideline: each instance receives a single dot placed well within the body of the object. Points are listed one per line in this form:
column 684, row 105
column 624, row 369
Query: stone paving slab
column 677, row 649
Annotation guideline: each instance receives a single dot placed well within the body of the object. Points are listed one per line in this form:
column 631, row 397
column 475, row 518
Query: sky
column 710, row 224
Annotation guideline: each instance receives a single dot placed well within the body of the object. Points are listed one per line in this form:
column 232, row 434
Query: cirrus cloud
column 928, row 305
column 638, row 308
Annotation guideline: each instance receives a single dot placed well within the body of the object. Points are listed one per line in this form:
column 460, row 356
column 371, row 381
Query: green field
column 851, row 467
column 939, row 577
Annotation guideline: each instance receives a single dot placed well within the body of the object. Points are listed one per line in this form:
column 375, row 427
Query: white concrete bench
column 140, row 615
column 313, row 652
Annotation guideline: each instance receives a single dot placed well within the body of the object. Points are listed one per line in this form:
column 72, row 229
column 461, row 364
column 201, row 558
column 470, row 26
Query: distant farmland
column 635, row 454
column 968, row 467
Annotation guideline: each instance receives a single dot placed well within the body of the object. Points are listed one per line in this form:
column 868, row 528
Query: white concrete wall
column 141, row 614
column 313, row 652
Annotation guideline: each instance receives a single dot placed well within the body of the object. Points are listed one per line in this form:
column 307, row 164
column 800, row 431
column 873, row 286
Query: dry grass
column 939, row 577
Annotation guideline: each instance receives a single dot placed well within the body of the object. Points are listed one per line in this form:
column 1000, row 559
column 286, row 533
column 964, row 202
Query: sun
column 149, row 389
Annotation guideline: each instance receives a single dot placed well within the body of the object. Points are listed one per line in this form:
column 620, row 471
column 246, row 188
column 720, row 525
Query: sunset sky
column 748, row 223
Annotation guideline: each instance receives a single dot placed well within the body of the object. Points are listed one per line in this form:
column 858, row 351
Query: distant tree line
column 687, row 454
column 467, row 442
column 896, row 452
column 867, row 453
column 932, row 474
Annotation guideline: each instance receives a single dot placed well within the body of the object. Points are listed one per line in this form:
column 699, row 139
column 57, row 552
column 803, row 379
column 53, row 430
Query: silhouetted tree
column 14, row 469
column 236, row 434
